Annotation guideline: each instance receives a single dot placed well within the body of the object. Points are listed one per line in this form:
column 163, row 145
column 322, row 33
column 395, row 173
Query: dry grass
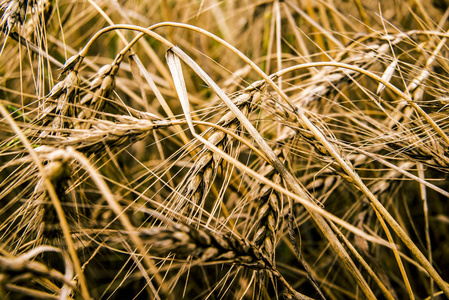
column 224, row 150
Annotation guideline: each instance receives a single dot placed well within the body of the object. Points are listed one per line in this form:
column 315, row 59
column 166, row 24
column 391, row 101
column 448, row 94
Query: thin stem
column 54, row 199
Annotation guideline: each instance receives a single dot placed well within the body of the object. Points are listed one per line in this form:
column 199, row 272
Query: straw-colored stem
column 55, row 201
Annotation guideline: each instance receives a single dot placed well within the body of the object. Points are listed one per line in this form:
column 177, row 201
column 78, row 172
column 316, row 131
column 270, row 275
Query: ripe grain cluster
column 224, row 149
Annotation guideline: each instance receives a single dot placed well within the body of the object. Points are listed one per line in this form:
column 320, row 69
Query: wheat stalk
column 205, row 168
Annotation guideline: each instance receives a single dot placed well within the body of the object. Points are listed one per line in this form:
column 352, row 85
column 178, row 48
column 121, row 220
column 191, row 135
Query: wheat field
column 293, row 149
